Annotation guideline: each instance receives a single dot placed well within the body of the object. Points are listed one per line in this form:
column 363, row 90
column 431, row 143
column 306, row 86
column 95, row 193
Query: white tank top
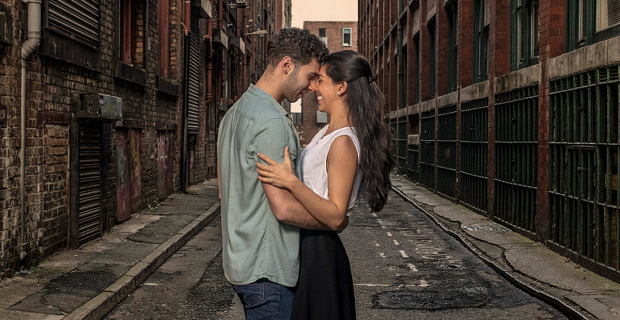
column 314, row 163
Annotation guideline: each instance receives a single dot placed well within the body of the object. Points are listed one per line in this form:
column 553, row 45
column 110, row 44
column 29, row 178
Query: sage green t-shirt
column 255, row 244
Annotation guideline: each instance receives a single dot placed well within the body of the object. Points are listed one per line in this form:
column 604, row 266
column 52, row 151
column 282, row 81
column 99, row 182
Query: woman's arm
column 341, row 168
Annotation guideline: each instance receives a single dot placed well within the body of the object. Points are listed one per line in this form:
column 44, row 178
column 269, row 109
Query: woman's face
column 326, row 91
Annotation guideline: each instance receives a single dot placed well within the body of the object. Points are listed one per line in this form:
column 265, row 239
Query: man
column 260, row 223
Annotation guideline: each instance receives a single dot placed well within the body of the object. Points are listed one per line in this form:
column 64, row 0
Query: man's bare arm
column 288, row 210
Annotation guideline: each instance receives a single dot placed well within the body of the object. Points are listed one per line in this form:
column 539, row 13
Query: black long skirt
column 325, row 287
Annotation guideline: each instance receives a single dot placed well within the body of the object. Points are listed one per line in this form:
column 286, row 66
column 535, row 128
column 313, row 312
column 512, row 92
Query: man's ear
column 286, row 65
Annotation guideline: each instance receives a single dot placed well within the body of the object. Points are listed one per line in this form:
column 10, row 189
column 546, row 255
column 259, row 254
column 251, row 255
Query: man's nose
column 312, row 86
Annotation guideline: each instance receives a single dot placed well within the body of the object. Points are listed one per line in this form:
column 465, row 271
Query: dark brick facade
column 65, row 79
column 381, row 23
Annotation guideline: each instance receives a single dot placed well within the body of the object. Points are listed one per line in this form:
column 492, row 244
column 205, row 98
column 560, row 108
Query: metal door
column 89, row 181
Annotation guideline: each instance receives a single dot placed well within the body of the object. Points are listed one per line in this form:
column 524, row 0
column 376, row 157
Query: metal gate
column 401, row 155
column 427, row 150
column 193, row 112
column 446, row 151
column 413, row 150
column 89, row 181
column 78, row 20
column 474, row 153
column 516, row 144
column 584, row 166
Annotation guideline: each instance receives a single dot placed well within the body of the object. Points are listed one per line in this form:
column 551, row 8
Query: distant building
column 338, row 36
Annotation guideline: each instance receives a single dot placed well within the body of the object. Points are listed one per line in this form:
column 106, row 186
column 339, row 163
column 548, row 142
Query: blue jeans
column 266, row 300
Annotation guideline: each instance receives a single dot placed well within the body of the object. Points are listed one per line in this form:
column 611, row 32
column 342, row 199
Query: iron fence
column 474, row 153
column 446, row 153
column 516, row 144
column 584, row 166
column 427, row 149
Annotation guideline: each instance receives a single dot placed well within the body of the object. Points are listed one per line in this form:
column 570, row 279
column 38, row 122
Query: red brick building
column 510, row 108
column 338, row 36
column 119, row 110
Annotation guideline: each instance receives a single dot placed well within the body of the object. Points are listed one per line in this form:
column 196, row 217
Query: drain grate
column 432, row 300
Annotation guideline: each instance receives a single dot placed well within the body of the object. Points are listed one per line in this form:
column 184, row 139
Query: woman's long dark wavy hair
column 365, row 110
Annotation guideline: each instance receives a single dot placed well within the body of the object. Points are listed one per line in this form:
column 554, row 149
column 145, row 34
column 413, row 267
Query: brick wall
column 54, row 87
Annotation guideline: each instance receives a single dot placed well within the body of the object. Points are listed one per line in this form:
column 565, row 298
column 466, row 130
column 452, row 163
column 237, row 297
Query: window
column 416, row 72
column 61, row 19
column 481, row 40
column 607, row 14
column 164, row 43
column 452, row 47
column 323, row 35
column 346, row 37
column 431, row 31
column 590, row 21
column 524, row 38
column 132, row 32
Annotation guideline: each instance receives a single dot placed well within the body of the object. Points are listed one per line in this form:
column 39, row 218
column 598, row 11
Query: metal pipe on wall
column 31, row 43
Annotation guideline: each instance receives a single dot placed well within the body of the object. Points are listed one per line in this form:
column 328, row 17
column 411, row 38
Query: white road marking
column 374, row 214
column 376, row 243
column 402, row 252
column 382, row 254
column 423, row 283
column 389, row 234
column 396, row 243
column 412, row 267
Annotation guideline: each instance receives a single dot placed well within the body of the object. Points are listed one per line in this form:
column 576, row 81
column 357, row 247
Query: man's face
column 300, row 79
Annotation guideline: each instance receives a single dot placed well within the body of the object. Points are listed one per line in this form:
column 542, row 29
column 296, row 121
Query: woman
column 350, row 153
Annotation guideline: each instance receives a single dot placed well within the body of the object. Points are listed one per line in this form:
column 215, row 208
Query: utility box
column 111, row 107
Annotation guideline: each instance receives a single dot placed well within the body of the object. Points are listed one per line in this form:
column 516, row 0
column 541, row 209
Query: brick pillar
column 499, row 64
column 551, row 44
column 466, row 42
column 442, row 43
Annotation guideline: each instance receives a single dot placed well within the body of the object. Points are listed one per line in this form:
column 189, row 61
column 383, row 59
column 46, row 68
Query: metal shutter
column 78, row 20
column 193, row 112
column 89, row 181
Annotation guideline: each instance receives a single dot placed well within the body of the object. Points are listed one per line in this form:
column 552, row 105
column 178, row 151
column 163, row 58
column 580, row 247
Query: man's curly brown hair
column 299, row 44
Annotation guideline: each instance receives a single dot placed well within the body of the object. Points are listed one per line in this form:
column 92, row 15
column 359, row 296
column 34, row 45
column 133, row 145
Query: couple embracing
column 282, row 208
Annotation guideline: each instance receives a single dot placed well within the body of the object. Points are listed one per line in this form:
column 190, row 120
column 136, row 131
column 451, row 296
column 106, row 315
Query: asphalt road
column 404, row 267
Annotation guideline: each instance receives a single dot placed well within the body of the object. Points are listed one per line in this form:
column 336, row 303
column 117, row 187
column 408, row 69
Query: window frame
column 344, row 44
column 128, row 27
column 524, row 34
column 481, row 41
column 589, row 15
column 452, row 11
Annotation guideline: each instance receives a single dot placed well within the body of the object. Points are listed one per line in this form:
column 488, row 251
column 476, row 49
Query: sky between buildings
column 321, row 10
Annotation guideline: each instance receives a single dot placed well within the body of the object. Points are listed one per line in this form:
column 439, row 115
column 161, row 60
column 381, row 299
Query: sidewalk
column 581, row 294
column 89, row 282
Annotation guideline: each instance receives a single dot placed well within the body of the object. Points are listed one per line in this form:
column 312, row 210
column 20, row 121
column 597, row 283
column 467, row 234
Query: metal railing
column 427, row 149
column 446, row 153
column 474, row 153
column 583, row 179
column 516, row 146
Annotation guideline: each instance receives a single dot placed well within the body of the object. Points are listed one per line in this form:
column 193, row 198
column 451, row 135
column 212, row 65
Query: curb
column 98, row 307
column 568, row 310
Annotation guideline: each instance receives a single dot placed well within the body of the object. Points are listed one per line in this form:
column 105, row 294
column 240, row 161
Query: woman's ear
column 342, row 87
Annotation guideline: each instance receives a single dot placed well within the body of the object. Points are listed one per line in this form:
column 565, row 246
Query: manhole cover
column 432, row 300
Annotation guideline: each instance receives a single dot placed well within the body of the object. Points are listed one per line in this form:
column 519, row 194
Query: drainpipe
column 31, row 44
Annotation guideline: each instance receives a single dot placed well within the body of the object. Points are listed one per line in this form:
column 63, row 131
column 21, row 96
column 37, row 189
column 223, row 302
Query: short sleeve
column 271, row 138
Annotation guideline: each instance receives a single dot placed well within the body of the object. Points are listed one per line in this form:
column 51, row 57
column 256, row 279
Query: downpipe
column 28, row 47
